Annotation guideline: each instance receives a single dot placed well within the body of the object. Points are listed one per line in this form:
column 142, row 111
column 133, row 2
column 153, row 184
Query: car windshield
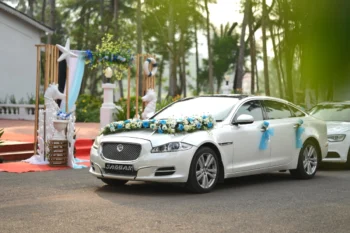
column 218, row 107
column 332, row 112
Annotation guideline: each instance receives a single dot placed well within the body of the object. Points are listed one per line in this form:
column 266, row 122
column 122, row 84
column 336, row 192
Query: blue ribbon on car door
column 265, row 137
column 299, row 131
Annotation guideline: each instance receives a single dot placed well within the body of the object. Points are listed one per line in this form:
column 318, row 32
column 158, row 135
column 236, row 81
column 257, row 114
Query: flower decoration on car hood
column 166, row 126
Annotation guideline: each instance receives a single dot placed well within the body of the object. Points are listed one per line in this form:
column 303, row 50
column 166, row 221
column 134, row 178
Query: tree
column 210, row 56
column 237, row 85
column 264, row 39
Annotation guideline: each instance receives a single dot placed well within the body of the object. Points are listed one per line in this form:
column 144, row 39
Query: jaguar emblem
column 120, row 147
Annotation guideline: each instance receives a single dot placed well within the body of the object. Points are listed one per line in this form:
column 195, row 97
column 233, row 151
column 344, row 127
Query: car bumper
column 337, row 152
column 147, row 165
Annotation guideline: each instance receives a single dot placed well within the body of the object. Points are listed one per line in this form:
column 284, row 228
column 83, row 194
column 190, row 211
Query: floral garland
column 108, row 58
column 169, row 126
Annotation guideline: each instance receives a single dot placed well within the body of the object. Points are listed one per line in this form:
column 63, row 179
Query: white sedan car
column 251, row 135
column 337, row 117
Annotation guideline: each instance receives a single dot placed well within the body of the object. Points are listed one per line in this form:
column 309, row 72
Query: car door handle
column 295, row 126
column 263, row 129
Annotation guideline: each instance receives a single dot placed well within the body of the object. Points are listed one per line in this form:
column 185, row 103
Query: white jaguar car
column 337, row 117
column 251, row 135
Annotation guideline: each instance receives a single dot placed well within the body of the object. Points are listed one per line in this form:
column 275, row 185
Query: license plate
column 121, row 169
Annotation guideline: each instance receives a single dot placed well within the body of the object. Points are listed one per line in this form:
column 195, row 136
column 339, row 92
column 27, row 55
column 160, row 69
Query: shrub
column 121, row 113
column 88, row 108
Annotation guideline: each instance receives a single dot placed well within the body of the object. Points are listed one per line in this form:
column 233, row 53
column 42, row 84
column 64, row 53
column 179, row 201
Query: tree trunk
column 210, row 56
column 184, row 75
column 52, row 19
column 160, row 75
column 31, row 8
column 197, row 58
column 252, row 48
column 289, row 51
column 276, row 60
column 43, row 12
column 264, row 39
column 171, row 55
column 237, row 84
column 115, row 27
column 139, row 45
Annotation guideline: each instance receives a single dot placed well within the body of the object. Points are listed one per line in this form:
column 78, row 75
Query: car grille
column 129, row 151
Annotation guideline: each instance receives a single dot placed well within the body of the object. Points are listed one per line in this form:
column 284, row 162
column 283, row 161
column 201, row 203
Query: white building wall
column 17, row 57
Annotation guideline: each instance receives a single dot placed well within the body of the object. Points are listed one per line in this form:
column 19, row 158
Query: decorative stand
column 58, row 146
column 58, row 153
column 108, row 107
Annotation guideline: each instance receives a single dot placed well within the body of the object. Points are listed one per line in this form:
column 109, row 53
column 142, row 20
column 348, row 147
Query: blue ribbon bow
column 265, row 137
column 300, row 130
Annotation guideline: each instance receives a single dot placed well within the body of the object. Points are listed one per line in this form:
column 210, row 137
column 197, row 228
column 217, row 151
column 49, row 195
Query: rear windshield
column 332, row 112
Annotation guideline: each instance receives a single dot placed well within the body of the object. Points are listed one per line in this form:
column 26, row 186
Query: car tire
column 204, row 171
column 308, row 161
column 114, row 182
column 347, row 163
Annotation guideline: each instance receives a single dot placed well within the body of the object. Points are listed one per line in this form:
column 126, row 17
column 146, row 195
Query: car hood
column 147, row 134
column 334, row 127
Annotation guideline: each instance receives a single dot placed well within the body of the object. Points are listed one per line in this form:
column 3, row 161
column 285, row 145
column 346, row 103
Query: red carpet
column 82, row 152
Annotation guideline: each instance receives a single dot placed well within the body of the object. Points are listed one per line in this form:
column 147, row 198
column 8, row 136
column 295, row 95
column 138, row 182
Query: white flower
column 139, row 124
column 186, row 127
column 127, row 126
column 164, row 127
column 172, row 130
column 185, row 122
column 206, row 121
column 152, row 126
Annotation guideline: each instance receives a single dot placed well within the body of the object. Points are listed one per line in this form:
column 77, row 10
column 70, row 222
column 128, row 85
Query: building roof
column 25, row 18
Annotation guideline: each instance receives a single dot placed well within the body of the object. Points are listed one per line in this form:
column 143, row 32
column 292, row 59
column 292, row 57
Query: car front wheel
column 204, row 171
column 307, row 162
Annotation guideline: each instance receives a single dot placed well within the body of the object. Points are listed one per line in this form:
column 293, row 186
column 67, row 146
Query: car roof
column 241, row 96
column 334, row 102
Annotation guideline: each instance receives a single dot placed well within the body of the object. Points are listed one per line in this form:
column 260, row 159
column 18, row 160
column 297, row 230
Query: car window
column 276, row 110
column 252, row 108
column 332, row 112
column 297, row 112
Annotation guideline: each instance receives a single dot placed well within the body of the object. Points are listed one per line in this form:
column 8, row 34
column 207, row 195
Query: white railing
column 18, row 111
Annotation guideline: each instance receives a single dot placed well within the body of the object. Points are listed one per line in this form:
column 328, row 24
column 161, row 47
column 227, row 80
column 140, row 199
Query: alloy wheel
column 206, row 170
column 310, row 159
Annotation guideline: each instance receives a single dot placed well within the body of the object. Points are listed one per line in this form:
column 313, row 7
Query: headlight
column 336, row 137
column 171, row 147
column 97, row 142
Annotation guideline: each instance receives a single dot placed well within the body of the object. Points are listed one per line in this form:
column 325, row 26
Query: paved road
column 74, row 201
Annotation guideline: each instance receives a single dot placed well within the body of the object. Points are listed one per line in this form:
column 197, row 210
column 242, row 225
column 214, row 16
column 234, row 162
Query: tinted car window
column 297, row 112
column 252, row 108
column 276, row 110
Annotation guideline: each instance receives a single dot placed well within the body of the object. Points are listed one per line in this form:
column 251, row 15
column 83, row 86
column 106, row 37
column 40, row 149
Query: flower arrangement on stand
column 111, row 53
column 168, row 126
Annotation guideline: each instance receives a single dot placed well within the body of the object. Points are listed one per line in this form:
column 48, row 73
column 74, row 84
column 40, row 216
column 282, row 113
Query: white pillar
column 108, row 107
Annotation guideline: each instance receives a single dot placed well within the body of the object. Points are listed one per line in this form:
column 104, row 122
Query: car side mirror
column 244, row 119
